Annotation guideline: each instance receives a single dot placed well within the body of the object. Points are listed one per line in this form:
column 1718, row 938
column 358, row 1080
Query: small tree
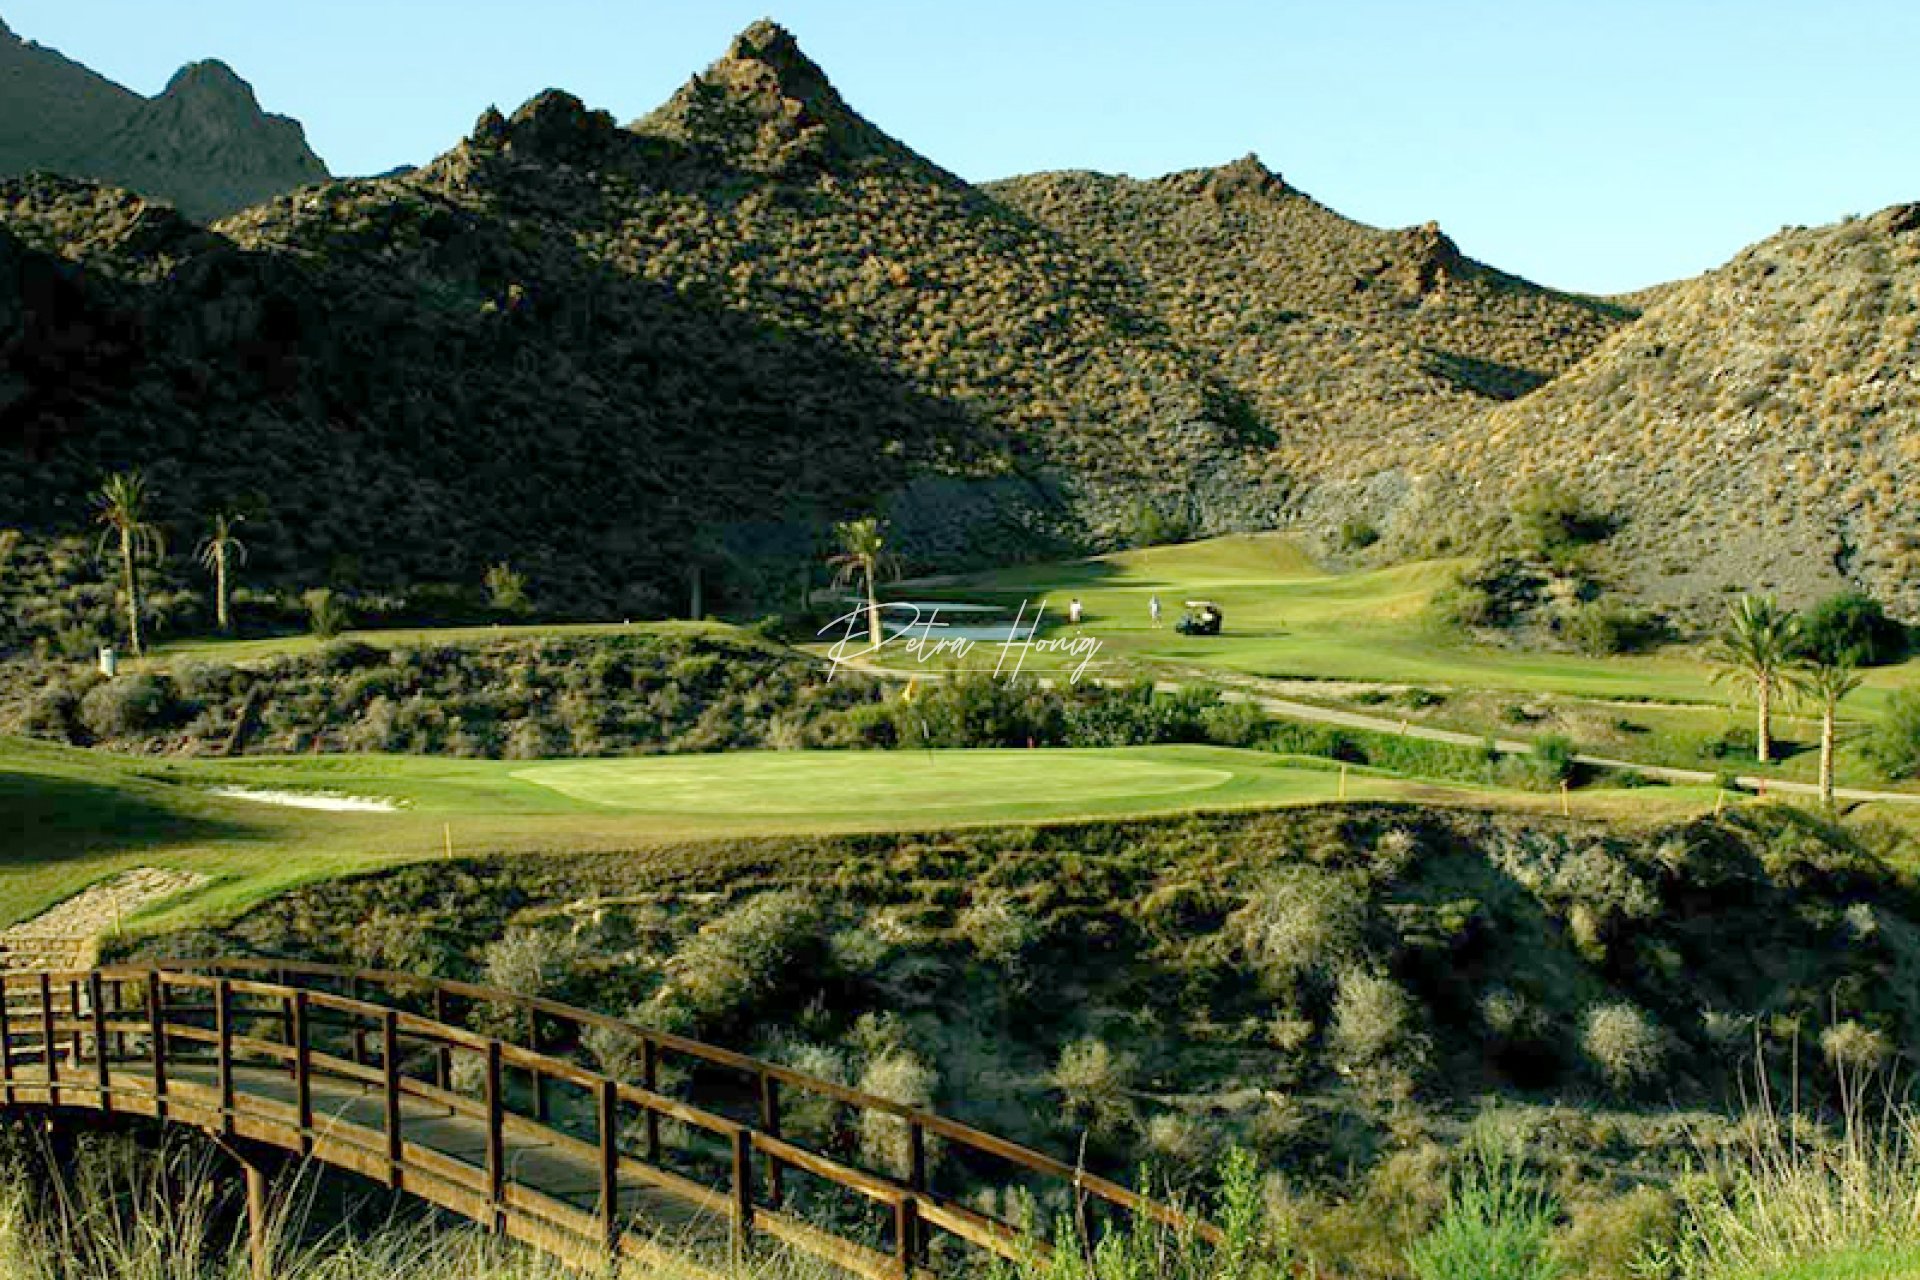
column 219, row 551
column 1755, row 648
column 863, row 555
column 1825, row 679
column 507, row 589
column 327, row 614
column 120, row 505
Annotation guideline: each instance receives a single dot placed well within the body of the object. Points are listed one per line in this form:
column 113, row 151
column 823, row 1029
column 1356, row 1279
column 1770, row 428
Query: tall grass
column 1792, row 1193
column 1142, row 1249
column 1498, row 1223
column 123, row 1213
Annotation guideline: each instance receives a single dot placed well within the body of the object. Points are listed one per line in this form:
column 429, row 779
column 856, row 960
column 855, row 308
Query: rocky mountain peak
column 211, row 81
column 766, row 105
column 771, row 46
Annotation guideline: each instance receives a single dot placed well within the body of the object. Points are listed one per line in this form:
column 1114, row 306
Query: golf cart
column 1202, row 618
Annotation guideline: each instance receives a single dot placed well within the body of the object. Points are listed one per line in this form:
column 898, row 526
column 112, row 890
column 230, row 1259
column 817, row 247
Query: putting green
column 769, row 783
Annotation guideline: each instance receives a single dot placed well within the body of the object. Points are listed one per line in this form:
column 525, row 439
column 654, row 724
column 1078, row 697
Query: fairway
column 80, row 815
column 1288, row 618
column 896, row 782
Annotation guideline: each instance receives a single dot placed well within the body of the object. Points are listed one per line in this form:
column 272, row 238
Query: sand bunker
column 309, row 800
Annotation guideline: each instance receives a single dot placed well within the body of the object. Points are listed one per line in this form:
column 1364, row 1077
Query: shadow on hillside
column 53, row 819
column 425, row 388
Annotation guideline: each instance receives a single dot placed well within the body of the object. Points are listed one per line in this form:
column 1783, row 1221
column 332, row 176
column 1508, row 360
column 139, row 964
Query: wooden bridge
column 478, row 1101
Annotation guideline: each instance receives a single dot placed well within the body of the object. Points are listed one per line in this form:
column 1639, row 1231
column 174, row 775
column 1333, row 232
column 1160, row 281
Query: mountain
column 1758, row 428
column 604, row 353
column 1339, row 334
column 620, row 356
column 203, row 144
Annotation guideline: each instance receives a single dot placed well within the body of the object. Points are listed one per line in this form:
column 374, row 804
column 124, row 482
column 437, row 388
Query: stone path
column 66, row 936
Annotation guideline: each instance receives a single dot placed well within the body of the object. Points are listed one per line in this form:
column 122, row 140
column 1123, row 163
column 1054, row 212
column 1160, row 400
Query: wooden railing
column 363, row 1070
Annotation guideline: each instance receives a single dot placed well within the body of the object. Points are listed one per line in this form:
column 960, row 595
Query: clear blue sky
column 1587, row 144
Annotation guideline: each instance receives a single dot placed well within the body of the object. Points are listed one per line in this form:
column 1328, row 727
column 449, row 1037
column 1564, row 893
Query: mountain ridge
column 203, row 143
column 751, row 312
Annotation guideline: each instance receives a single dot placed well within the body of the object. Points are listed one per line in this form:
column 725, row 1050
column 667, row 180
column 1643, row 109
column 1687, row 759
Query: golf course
column 84, row 815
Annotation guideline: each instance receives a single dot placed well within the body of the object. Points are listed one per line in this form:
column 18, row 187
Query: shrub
column 1855, row 1049
column 1153, row 527
column 1097, row 1084
column 886, row 1141
column 1895, row 745
column 1234, row 724
column 1372, row 1020
column 1624, row 1043
column 1613, row 1238
column 1853, row 625
column 507, row 589
column 1600, row 630
column 529, row 962
column 1358, row 534
column 1551, row 522
column 127, row 705
column 1300, row 920
column 327, row 613
column 1497, row 1225
column 742, row 957
column 1001, row 930
column 1178, row 1144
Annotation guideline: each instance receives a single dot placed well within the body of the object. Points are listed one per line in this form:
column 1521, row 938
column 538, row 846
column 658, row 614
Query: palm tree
column 1825, row 679
column 121, row 507
column 863, row 554
column 217, row 550
column 1755, row 648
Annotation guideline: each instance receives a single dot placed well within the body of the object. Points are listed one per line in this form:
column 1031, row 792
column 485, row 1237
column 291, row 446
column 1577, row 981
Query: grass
column 219, row 650
column 1792, row 1201
column 1288, row 619
column 81, row 815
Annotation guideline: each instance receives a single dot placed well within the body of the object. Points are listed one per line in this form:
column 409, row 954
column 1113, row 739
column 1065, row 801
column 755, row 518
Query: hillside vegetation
column 612, row 355
column 1758, row 427
column 1338, row 333
column 1342, row 989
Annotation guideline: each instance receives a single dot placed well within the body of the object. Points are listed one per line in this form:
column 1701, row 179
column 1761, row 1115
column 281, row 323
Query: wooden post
column 390, row 1061
column 496, row 1144
column 916, row 1234
column 49, row 1041
column 157, row 1033
column 906, row 1233
column 119, row 1008
column 770, row 1123
column 443, row 1057
column 359, row 1028
column 96, row 996
column 223, row 1038
column 742, row 1191
column 650, row 1080
column 6, row 1042
column 1566, row 800
column 259, row 1212
column 536, row 1081
column 610, row 1165
column 73, row 1022
column 303, row 1072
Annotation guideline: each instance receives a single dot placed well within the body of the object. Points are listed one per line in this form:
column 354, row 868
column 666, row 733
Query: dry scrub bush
column 1624, row 1043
